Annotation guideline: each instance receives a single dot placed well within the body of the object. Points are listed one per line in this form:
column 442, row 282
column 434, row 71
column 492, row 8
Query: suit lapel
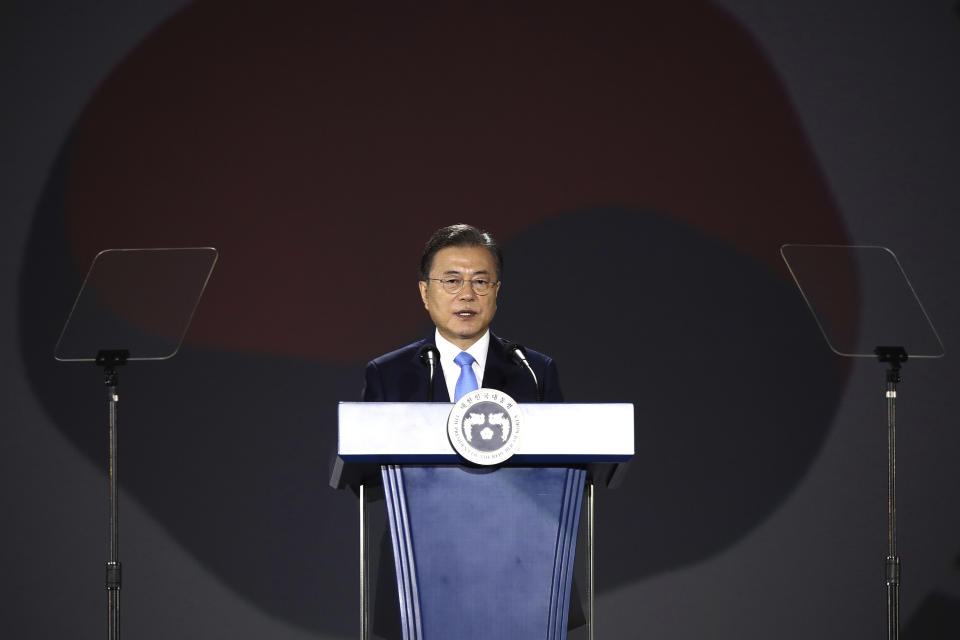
column 502, row 373
column 495, row 369
column 440, row 393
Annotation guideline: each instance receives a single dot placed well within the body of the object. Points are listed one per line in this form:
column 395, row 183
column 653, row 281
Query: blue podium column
column 482, row 553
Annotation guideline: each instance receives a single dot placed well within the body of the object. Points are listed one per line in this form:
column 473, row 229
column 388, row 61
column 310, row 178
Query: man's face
column 461, row 317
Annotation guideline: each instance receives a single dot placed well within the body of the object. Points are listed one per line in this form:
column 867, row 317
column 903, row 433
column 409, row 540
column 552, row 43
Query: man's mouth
column 465, row 314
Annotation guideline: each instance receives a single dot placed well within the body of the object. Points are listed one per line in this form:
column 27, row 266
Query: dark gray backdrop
column 756, row 506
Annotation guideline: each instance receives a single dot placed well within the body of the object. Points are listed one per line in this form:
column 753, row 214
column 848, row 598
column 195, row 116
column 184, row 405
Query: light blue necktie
column 467, row 382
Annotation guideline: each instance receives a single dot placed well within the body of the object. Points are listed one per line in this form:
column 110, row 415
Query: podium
column 482, row 552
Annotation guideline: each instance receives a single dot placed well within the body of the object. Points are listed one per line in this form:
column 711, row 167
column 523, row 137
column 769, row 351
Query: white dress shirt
column 449, row 351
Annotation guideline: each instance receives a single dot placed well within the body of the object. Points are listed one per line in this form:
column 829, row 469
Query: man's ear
column 423, row 294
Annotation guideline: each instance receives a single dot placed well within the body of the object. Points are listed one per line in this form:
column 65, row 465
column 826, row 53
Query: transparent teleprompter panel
column 139, row 300
column 862, row 299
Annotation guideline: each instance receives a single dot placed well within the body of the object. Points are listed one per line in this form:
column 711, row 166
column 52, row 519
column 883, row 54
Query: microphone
column 429, row 356
column 519, row 355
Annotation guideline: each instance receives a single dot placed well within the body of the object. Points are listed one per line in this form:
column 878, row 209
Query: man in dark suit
column 460, row 272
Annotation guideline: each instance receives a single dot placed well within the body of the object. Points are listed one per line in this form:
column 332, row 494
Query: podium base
column 483, row 553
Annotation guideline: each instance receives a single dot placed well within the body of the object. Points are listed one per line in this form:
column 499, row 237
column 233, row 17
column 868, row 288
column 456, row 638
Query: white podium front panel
column 397, row 432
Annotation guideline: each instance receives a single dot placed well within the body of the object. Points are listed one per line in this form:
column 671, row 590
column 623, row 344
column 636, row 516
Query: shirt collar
column 449, row 351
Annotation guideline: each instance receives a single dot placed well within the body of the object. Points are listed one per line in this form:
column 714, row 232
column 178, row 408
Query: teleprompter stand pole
column 110, row 360
column 894, row 357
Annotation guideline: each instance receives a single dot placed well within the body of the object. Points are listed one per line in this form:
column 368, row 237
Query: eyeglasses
column 453, row 284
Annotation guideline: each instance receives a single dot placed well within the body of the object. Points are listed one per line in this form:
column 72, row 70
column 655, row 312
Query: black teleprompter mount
column 861, row 297
column 894, row 357
column 142, row 300
column 110, row 360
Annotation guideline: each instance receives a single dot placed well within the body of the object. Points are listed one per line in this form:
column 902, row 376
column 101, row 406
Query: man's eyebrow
column 454, row 272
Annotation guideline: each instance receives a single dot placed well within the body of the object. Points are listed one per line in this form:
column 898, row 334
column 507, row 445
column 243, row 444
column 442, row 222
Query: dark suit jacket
column 400, row 376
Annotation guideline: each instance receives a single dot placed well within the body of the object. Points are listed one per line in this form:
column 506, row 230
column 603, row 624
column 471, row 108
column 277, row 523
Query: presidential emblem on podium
column 484, row 427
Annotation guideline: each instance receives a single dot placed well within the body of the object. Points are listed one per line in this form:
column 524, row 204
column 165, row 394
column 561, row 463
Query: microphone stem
column 536, row 383
column 430, row 381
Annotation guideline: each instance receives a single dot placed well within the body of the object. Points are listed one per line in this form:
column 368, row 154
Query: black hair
column 458, row 235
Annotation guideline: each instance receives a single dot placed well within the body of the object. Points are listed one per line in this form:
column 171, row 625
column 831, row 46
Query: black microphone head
column 429, row 355
column 518, row 353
